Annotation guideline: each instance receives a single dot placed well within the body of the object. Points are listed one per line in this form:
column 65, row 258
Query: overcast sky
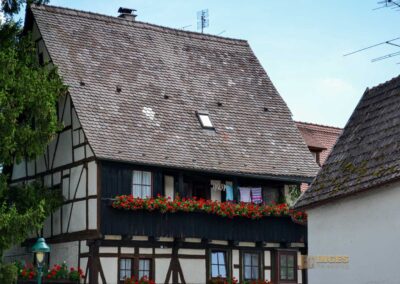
column 300, row 43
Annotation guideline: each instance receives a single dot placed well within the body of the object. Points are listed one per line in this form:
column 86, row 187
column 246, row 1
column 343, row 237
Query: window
column 218, row 264
column 205, row 120
column 144, row 268
column 134, row 267
column 125, row 268
column 251, row 266
column 141, row 184
column 287, row 266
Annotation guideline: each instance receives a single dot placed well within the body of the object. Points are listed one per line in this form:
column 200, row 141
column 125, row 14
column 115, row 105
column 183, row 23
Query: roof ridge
column 138, row 24
column 319, row 125
column 385, row 84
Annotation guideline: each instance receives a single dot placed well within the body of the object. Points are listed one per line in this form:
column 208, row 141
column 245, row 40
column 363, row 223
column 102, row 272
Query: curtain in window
column 137, row 184
column 125, row 265
column 146, row 184
column 141, row 184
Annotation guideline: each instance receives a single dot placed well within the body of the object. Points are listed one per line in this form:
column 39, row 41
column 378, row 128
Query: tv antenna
column 202, row 20
column 185, row 27
column 392, row 4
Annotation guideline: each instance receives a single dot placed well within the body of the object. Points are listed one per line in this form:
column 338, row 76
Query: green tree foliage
column 28, row 121
column 11, row 7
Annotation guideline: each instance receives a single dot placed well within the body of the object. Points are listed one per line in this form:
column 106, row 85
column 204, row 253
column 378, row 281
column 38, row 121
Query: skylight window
column 205, row 120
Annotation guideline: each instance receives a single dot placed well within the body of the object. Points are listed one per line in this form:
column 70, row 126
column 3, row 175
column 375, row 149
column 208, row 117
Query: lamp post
column 39, row 249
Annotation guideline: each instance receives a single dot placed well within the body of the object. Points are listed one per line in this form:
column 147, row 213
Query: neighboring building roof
column 319, row 137
column 367, row 153
column 165, row 76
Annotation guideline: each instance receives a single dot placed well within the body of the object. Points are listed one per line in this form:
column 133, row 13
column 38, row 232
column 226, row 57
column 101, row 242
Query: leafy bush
column 8, row 273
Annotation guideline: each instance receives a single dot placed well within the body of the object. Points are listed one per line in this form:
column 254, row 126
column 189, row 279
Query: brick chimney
column 127, row 14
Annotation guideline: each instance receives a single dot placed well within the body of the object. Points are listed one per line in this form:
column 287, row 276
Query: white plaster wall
column 83, row 265
column 89, row 152
column 56, row 178
column 366, row 228
column 192, row 251
column 57, row 222
column 92, row 214
column 78, row 220
column 66, row 211
column 110, row 269
column 84, row 247
column 75, row 121
column 63, row 154
column 108, row 250
column 40, row 164
column 68, row 252
column 19, row 170
column 161, row 265
column 79, row 153
column 81, row 192
column 92, row 171
column 235, row 261
column 163, row 251
column 299, row 271
column 47, row 227
column 127, row 250
column 31, row 168
column 18, row 253
column 65, row 188
column 75, row 181
column 267, row 258
column 194, row 270
column 145, row 250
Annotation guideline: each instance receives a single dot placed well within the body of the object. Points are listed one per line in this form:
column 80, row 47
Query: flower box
column 227, row 210
column 55, row 281
column 57, row 274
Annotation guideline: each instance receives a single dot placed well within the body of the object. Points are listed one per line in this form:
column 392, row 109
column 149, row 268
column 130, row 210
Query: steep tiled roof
column 319, row 137
column 367, row 154
column 165, row 76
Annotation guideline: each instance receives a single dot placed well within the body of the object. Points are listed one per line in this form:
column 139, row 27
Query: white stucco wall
column 68, row 252
column 366, row 228
column 194, row 270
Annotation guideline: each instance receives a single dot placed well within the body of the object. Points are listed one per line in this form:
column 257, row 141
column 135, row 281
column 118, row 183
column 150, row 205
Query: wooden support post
column 236, row 195
column 181, row 189
column 93, row 268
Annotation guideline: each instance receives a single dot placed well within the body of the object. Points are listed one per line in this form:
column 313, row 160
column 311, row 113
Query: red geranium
column 223, row 209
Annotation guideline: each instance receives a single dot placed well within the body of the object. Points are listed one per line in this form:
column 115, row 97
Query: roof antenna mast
column 202, row 20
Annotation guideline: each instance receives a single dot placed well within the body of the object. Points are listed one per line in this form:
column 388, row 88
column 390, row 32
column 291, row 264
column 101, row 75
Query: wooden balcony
column 199, row 225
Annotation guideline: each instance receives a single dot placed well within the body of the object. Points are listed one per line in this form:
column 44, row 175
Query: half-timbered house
column 352, row 204
column 158, row 111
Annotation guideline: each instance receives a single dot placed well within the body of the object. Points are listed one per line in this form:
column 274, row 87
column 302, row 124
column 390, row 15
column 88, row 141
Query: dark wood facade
column 116, row 179
column 200, row 225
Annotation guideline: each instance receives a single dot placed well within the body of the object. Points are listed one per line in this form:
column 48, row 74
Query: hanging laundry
column 245, row 195
column 256, row 195
column 229, row 192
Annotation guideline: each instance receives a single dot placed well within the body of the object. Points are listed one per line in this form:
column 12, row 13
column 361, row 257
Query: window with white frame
column 141, row 184
column 205, row 120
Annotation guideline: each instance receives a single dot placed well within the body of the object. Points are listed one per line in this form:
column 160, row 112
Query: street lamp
column 39, row 249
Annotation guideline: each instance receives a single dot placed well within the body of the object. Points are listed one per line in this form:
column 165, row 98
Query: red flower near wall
column 223, row 209
column 143, row 280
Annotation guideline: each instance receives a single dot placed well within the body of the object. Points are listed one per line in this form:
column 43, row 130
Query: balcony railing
column 148, row 221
